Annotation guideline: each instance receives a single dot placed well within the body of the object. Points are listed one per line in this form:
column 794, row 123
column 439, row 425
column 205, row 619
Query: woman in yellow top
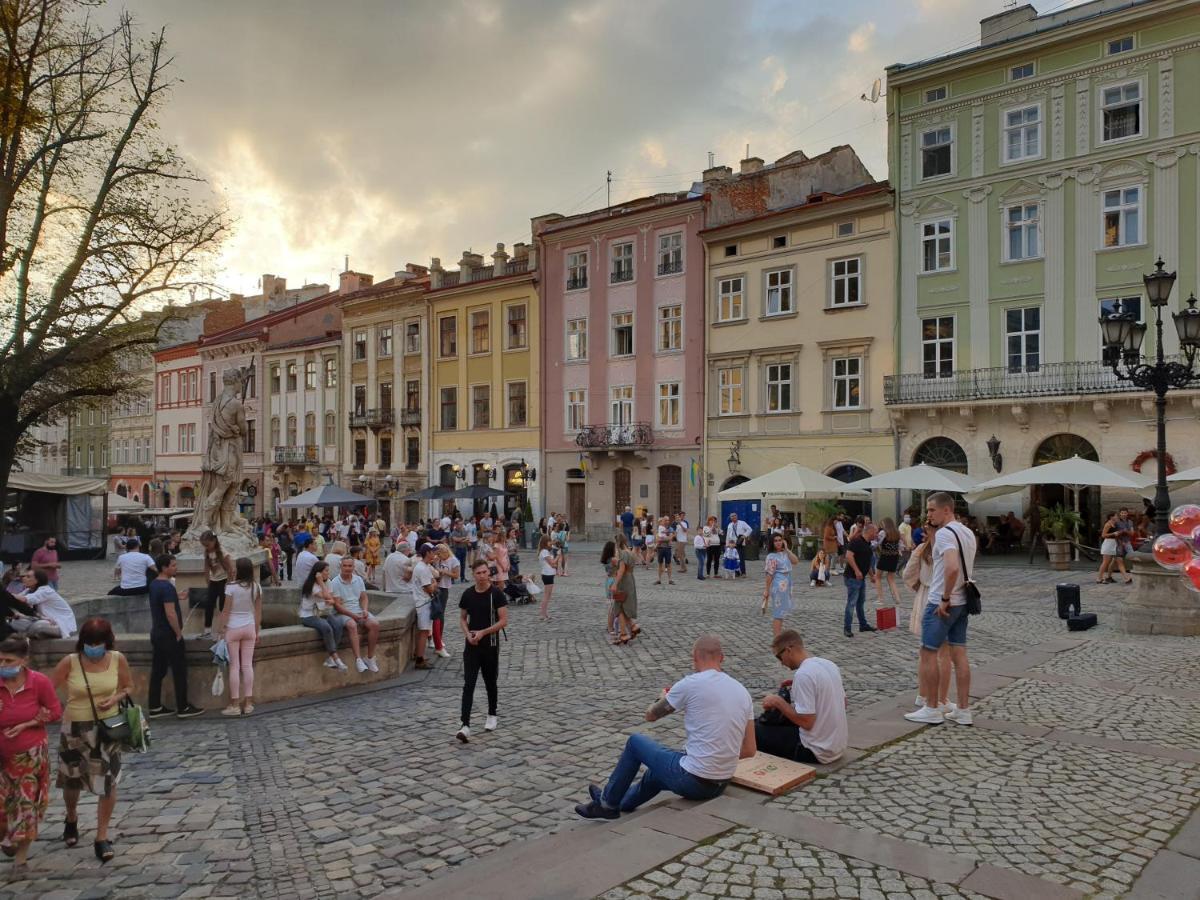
column 97, row 679
column 373, row 545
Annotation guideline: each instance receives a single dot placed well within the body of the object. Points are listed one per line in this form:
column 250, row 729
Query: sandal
column 635, row 631
column 71, row 834
column 620, row 641
column 104, row 850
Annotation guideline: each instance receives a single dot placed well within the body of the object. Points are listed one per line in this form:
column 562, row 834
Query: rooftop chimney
column 716, row 174
column 751, row 165
column 272, row 285
column 349, row 282
column 1006, row 25
column 499, row 258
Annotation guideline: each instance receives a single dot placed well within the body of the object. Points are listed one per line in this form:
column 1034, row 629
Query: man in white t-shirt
column 681, row 541
column 718, row 718
column 424, row 584
column 305, row 559
column 396, row 567
column 740, row 531
column 132, row 571
column 815, row 730
column 351, row 592
column 945, row 617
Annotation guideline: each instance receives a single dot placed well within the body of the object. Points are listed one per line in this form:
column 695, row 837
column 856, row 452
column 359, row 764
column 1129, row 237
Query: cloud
column 653, row 153
column 778, row 73
column 860, row 38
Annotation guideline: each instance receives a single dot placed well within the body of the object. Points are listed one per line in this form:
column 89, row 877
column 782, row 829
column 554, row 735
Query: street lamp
column 1123, row 337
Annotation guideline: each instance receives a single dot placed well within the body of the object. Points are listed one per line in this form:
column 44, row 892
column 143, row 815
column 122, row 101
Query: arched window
column 446, row 475
column 943, row 453
column 848, row 473
column 310, row 429
column 1064, row 446
column 291, row 431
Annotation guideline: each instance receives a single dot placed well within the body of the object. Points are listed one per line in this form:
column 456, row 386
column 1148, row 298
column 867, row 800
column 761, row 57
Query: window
column 330, row 372
column 779, row 241
column 448, row 336
column 847, row 382
column 670, row 327
column 577, row 265
column 516, row 331
column 1122, row 217
column 731, row 249
column 576, row 410
column 310, row 375
column 731, row 299
column 360, row 453
column 937, row 246
column 91, row 458
column 412, row 451
column 273, row 381
column 937, row 347
column 412, row 395
column 385, row 395
column 779, row 292
column 622, row 263
column 187, row 438
column 845, row 229
column 251, row 441
column 1022, row 133
column 621, row 407
column 1121, row 111
column 518, row 410
column 1016, row 73
column 104, row 457
column 385, row 453
column 291, row 431
column 1120, row 45
column 274, row 432
column 310, row 429
column 481, row 406
column 846, row 282
column 360, row 345
column 164, row 394
column 330, row 429
column 937, row 147
column 449, row 402
column 1023, row 336
column 670, row 253
column 166, row 443
column 577, row 338
column 1023, row 225
column 385, row 340
column 933, row 95
column 669, row 401
column 622, row 334
column 412, row 338
column 779, row 387
column 212, row 386
column 730, row 398
column 291, row 377
column 360, row 399
column 481, row 338
column 77, row 449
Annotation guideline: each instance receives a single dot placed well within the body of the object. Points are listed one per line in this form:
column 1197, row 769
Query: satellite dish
column 875, row 92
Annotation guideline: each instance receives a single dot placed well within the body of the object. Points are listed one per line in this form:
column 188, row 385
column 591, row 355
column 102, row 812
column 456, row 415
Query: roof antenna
column 711, row 158
column 608, row 182
column 347, row 269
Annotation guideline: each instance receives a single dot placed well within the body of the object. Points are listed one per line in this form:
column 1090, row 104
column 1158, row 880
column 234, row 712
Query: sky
column 393, row 131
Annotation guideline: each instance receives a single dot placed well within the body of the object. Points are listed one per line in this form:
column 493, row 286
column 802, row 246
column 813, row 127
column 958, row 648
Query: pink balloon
column 1192, row 571
column 1185, row 519
column 1171, row 551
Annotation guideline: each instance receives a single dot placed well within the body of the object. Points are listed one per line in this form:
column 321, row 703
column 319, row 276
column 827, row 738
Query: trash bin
column 1068, row 600
column 753, row 547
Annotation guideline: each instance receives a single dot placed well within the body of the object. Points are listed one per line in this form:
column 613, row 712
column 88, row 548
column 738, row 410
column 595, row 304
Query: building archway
column 1058, row 447
column 146, row 495
column 122, row 489
column 848, row 473
column 187, row 496
column 943, row 453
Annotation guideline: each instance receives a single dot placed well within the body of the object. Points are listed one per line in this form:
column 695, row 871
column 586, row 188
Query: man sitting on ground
column 815, row 731
column 719, row 722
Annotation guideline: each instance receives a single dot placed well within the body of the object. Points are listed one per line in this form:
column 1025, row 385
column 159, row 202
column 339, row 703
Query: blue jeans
column 663, row 771
column 329, row 629
column 460, row 553
column 701, row 558
column 856, row 599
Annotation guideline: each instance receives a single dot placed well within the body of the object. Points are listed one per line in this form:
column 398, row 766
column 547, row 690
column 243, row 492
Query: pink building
column 623, row 359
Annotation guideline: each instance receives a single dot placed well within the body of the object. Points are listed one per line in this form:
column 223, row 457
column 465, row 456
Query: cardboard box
column 772, row 774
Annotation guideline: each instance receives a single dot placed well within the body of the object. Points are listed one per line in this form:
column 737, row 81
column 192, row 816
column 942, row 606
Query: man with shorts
column 483, row 614
column 945, row 617
column 424, row 582
column 681, row 541
column 351, row 590
column 664, row 541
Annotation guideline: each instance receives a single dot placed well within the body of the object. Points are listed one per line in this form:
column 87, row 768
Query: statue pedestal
column 190, row 574
column 1159, row 602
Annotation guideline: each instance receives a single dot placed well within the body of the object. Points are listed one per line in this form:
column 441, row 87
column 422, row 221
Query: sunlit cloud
column 860, row 38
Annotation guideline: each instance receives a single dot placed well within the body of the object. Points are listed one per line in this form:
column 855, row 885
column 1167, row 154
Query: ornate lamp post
column 1123, row 337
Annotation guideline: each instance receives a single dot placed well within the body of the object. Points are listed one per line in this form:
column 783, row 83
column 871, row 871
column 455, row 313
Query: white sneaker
column 960, row 717
column 947, row 708
column 444, row 653
column 341, row 665
column 464, row 734
column 812, row 583
column 360, row 664
column 919, row 702
column 432, row 646
column 372, row 665
column 926, row 715
column 329, row 663
column 490, row 724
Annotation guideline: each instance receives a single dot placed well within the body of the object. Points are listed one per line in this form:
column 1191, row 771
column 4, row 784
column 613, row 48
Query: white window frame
column 1006, row 159
column 950, row 266
column 358, row 340
column 575, row 400
column 844, row 279
column 614, row 258
column 669, row 400
column 576, row 269
column 938, row 343
column 612, row 334
column 953, row 143
column 783, row 290
column 1007, row 227
column 929, row 94
column 1102, row 106
column 330, row 377
column 847, row 378
column 777, row 384
column 722, row 294
column 670, row 339
column 1024, row 334
column 412, row 341
column 1108, row 45
column 620, row 397
column 1012, row 71
column 731, row 389
column 670, row 251
column 1123, row 208
column 582, row 333
column 384, row 342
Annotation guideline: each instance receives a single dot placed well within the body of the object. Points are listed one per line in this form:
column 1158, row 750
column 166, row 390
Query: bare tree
column 100, row 222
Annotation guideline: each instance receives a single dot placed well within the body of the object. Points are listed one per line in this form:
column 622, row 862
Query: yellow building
column 485, row 392
column 800, row 316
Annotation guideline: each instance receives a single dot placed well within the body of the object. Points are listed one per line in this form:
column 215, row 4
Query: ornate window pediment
column 936, row 206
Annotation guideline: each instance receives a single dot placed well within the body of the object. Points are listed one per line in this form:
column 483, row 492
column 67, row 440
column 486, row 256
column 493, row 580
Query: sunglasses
column 779, row 655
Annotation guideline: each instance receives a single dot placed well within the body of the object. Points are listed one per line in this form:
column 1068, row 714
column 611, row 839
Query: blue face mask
column 9, row 672
column 94, row 651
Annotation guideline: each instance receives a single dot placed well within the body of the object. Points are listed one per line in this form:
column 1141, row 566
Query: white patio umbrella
column 921, row 477
column 1074, row 473
column 1187, row 475
column 790, row 482
column 119, row 504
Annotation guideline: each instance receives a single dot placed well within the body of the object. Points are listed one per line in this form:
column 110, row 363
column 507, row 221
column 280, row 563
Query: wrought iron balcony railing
column 304, row 455
column 620, row 275
column 670, row 267
column 606, row 437
column 577, row 284
column 372, row 418
column 410, row 417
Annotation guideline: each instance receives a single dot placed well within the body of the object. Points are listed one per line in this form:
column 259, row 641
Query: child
column 819, row 573
column 730, row 563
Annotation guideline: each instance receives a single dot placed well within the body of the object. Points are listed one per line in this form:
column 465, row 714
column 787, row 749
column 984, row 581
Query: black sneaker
column 866, row 628
column 594, row 810
column 189, row 712
column 158, row 712
column 848, row 632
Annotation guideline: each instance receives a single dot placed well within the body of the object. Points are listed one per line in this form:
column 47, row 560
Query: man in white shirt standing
column 741, row 532
column 718, row 717
column 906, row 541
column 395, row 569
column 424, row 583
column 816, row 730
column 945, row 617
column 681, row 541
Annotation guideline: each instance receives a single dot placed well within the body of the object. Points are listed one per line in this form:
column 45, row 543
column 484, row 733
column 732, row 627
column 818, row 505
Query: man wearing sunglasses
column 815, row 728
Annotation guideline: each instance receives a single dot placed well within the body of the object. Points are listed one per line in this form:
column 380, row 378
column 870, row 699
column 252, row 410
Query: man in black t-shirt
column 858, row 565
column 484, row 613
column 166, row 643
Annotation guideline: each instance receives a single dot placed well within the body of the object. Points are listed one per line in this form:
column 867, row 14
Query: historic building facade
column 178, row 425
column 131, row 417
column 622, row 341
column 1038, row 178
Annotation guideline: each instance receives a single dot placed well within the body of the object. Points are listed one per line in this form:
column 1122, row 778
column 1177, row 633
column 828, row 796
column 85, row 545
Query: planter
column 808, row 546
column 1059, row 553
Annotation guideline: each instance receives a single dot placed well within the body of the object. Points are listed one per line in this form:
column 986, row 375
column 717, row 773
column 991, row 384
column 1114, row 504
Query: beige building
column 131, row 451
column 800, row 312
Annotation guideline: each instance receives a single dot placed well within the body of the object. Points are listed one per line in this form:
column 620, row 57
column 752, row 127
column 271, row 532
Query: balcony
column 670, row 267
column 410, row 417
column 577, row 284
column 615, row 437
column 372, row 418
column 305, row 455
column 1048, row 380
column 620, row 276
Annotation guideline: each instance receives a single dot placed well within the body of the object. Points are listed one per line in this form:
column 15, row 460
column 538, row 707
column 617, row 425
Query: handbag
column 773, row 717
column 970, row 589
column 139, row 728
column 114, row 728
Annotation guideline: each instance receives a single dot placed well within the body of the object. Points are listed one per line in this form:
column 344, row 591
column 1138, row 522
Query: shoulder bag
column 970, row 589
column 114, row 728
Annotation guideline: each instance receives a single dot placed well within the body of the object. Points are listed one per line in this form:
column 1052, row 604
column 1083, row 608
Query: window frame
column 581, row 333
column 442, row 334
column 952, row 127
column 570, row 403
column 664, row 329
column 473, row 419
column 1122, row 209
column 358, row 345
column 1031, row 65
column 1023, row 334
column 452, row 405
column 740, row 293
column 625, row 402
column 575, row 273
column 330, row 429
column 508, row 323
column 612, row 334
column 676, row 259
column 938, row 342
column 1102, row 107
column 790, row 288
column 409, row 335
column 677, row 399
column 922, row 238
column 331, row 372
column 613, row 259
column 737, row 390
column 845, row 278
column 1005, row 128
column 292, row 377
column 473, row 327
column 780, row 384
column 310, row 374
column 509, row 421
column 1007, row 228
column 383, row 341
column 847, row 378
column 845, row 229
column 1109, row 42
column 945, row 93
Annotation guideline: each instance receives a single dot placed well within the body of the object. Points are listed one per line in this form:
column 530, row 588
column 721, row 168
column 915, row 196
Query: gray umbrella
column 327, row 495
column 433, row 492
column 475, row 492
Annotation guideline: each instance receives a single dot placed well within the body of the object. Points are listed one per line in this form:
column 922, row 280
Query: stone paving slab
column 1169, row 876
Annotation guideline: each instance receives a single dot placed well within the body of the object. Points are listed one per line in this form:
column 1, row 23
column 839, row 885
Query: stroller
column 516, row 589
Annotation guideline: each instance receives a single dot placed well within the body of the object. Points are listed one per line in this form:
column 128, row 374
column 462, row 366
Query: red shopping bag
column 885, row 618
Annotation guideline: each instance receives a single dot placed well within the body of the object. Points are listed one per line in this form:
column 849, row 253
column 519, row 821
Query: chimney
column 750, row 165
column 716, row 174
column 520, row 250
column 435, row 273
column 470, row 262
column 1007, row 25
column 272, row 285
column 499, row 258
column 416, row 269
column 349, row 282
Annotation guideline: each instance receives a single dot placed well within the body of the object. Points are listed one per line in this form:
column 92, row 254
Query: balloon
column 1171, row 551
column 1192, row 571
column 1185, row 519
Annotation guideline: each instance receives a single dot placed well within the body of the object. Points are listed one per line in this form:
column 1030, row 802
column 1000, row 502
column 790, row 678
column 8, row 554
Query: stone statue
column 221, row 469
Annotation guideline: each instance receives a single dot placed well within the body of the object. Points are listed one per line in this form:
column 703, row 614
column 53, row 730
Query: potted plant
column 1057, row 523
column 819, row 512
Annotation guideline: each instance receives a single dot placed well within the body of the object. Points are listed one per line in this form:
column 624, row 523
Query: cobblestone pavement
column 352, row 795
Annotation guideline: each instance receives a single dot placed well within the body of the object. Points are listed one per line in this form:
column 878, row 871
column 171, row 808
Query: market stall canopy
column 1074, row 473
column 56, row 484
column 474, row 492
column 119, row 504
column 433, row 492
column 920, row 477
column 327, row 495
column 791, row 482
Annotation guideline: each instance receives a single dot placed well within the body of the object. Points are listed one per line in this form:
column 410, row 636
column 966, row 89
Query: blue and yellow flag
column 694, row 469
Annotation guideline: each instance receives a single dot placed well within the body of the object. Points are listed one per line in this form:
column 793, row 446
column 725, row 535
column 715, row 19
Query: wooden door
column 670, row 490
column 575, row 505
column 622, row 492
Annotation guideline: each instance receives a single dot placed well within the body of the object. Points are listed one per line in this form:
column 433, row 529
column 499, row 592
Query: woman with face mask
column 96, row 678
column 27, row 704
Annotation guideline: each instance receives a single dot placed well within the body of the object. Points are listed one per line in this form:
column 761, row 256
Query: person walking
column 219, row 571
column 241, row 623
column 548, row 558
column 624, row 593
column 858, row 563
column 166, row 644
column 626, row 522
column 1111, row 551
column 664, row 546
column 372, row 546
column 778, row 590
column 562, row 543
column 315, row 600
column 424, row 586
column 97, row 679
column 887, row 561
column 27, row 705
column 448, row 572
column 610, row 562
column 483, row 613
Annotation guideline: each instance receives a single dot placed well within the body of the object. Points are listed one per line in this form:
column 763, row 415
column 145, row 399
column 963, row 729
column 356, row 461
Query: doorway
column 670, row 490
column 622, row 490
column 576, row 491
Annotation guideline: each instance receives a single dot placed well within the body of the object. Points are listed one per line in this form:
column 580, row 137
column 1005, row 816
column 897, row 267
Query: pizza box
column 772, row 775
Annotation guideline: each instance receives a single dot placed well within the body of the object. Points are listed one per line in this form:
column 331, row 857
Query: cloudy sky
column 396, row 130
